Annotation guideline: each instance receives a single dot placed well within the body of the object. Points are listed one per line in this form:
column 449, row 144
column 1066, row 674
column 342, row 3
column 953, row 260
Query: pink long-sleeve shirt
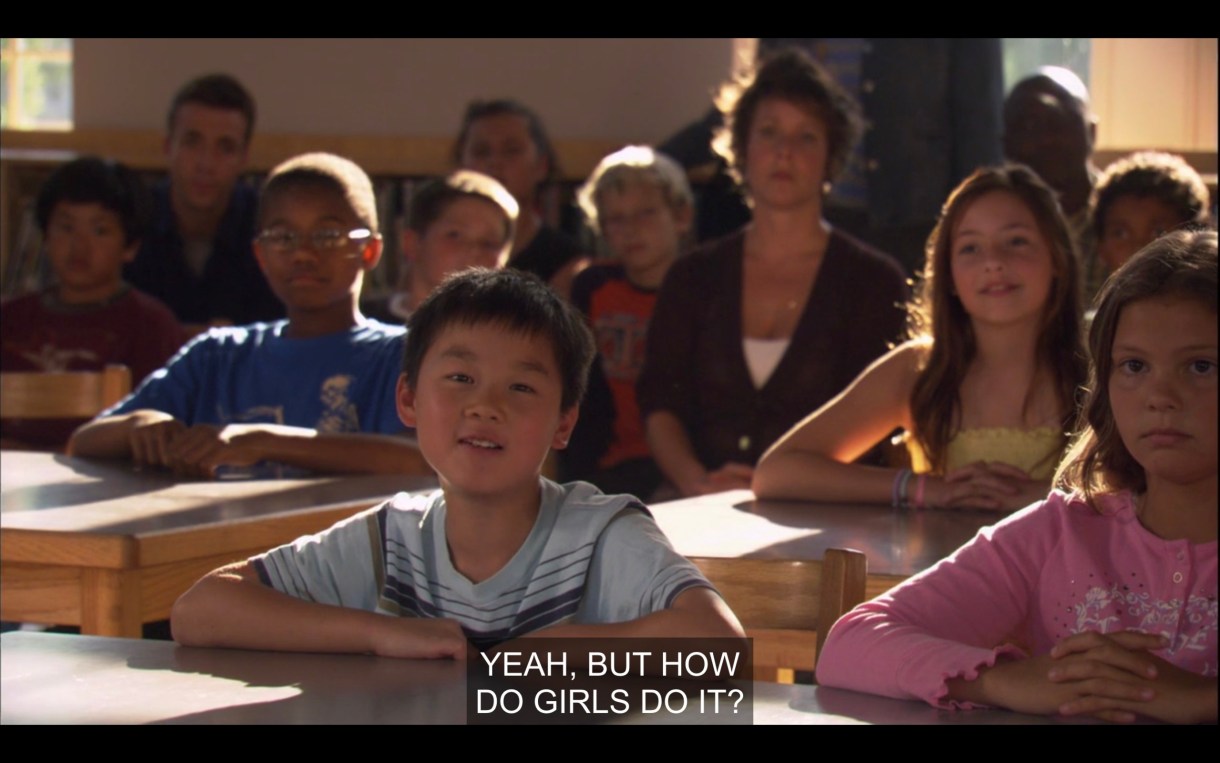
column 1019, row 587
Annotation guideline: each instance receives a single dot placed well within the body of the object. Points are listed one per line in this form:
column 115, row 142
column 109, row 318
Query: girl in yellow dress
column 984, row 388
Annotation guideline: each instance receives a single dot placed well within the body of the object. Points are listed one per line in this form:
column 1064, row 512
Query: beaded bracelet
column 898, row 495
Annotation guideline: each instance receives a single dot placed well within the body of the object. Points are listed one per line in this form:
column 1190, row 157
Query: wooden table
column 106, row 547
column 56, row 678
column 898, row 543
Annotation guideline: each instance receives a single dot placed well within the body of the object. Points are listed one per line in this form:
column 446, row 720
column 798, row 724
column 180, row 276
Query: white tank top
column 762, row 356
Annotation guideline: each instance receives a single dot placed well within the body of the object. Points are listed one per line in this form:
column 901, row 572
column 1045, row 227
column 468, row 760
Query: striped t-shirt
column 590, row 558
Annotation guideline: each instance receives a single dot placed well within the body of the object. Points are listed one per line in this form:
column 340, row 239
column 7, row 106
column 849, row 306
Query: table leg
column 110, row 603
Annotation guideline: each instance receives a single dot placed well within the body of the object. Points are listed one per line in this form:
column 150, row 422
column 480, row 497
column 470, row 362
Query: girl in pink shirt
column 1100, row 600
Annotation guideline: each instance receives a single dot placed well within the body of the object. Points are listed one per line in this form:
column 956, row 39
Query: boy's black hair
column 329, row 172
column 1155, row 175
column 217, row 91
column 433, row 199
column 92, row 180
column 515, row 300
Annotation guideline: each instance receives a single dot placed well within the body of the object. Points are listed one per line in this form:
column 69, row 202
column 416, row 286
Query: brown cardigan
column 696, row 369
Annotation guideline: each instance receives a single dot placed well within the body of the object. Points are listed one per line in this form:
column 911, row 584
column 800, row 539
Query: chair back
column 787, row 605
column 62, row 395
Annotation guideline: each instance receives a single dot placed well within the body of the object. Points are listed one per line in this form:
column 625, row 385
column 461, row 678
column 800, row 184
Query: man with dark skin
column 1048, row 127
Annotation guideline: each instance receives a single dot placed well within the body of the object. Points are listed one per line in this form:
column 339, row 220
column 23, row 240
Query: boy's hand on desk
column 152, row 436
column 199, row 450
column 420, row 638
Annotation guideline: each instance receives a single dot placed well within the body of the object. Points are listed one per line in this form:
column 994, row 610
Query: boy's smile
column 486, row 410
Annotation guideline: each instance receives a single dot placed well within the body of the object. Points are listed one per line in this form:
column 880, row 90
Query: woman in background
column 507, row 140
column 754, row 331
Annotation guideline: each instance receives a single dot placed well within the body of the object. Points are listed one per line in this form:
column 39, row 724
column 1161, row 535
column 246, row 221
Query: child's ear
column 371, row 254
column 567, row 422
column 404, row 398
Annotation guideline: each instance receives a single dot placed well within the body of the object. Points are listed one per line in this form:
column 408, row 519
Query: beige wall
column 1155, row 92
column 617, row 89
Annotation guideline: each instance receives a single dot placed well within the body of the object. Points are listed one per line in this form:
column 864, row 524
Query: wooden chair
column 787, row 606
column 62, row 395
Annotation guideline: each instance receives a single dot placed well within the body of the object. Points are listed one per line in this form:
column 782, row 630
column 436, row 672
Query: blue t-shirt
column 340, row 382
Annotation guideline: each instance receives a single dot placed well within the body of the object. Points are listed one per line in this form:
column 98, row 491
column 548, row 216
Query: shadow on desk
column 868, row 708
column 77, row 482
column 56, row 679
column 911, row 540
column 336, row 689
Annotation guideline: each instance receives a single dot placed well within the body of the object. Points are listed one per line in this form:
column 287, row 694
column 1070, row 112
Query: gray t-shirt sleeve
column 635, row 571
column 337, row 566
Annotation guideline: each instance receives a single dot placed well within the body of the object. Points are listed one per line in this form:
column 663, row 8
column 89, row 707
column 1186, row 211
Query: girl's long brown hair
column 1180, row 264
column 936, row 314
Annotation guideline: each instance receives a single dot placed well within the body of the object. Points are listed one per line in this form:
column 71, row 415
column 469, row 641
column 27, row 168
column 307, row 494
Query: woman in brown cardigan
column 756, row 330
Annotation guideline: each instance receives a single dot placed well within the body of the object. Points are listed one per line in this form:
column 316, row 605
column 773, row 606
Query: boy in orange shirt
column 642, row 204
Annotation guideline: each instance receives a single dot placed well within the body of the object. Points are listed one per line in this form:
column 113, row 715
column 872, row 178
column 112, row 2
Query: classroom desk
column 898, row 543
column 57, row 678
column 103, row 546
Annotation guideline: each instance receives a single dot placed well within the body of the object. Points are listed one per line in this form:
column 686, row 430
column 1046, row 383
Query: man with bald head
column 1049, row 127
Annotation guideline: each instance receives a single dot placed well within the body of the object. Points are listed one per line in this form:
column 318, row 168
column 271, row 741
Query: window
column 1025, row 55
column 36, row 83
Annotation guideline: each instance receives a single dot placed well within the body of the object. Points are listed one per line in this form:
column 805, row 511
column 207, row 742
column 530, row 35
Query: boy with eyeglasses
column 315, row 391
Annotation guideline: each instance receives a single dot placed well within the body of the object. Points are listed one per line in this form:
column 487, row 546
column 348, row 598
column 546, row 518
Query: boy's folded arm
column 695, row 613
column 347, row 452
column 231, row 607
column 153, row 437
column 143, row 435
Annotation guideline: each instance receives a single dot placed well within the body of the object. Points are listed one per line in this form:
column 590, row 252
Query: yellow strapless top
column 1036, row 451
